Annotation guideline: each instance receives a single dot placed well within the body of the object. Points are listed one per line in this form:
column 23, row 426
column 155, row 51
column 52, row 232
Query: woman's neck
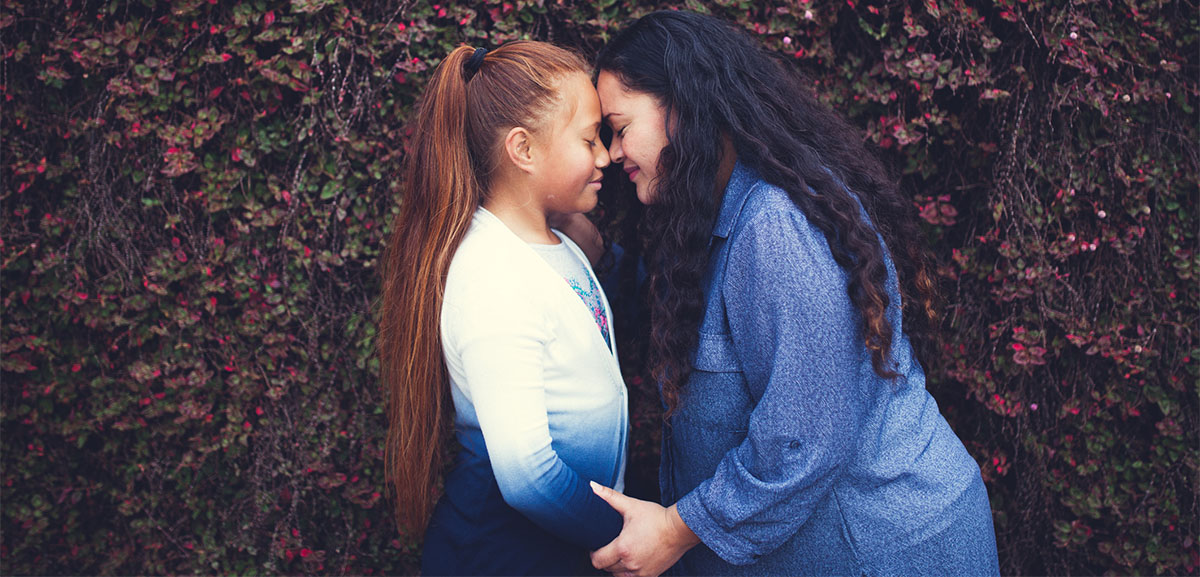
column 517, row 208
column 725, row 168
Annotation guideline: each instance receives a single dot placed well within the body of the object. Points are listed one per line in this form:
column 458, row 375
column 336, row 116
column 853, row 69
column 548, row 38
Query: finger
column 614, row 499
column 606, row 557
column 619, row 570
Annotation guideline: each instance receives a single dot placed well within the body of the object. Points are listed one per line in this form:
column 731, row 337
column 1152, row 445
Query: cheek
column 647, row 156
column 587, row 164
column 633, row 150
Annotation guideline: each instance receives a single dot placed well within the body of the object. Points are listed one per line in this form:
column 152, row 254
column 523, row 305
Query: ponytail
column 442, row 196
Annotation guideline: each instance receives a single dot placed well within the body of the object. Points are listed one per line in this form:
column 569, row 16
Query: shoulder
column 766, row 198
column 492, row 266
column 770, row 220
column 481, row 252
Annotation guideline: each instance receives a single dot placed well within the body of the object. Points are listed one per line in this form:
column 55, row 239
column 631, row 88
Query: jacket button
column 794, row 445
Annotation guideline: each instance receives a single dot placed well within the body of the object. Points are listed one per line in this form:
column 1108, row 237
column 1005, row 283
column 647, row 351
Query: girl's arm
column 502, row 343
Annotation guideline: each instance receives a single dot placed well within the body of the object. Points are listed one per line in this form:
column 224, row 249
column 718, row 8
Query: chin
column 588, row 203
column 644, row 196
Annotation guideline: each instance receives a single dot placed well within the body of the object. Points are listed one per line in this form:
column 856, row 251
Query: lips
column 632, row 171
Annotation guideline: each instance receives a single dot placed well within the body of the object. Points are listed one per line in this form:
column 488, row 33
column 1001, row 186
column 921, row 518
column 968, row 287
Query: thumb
column 617, row 501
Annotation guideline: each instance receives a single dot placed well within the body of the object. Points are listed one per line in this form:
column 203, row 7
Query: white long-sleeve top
column 538, row 395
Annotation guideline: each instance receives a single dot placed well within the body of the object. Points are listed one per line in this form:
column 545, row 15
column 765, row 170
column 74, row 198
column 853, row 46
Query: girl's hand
column 580, row 229
column 652, row 540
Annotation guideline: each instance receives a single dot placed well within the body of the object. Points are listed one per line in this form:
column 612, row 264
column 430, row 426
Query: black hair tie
column 474, row 62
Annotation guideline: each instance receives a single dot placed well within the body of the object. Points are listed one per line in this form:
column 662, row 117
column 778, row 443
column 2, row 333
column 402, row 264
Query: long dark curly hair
column 715, row 82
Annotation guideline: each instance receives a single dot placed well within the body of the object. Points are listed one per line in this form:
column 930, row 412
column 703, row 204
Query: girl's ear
column 518, row 146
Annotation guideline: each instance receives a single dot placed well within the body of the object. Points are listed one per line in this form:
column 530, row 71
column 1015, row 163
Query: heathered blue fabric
column 788, row 455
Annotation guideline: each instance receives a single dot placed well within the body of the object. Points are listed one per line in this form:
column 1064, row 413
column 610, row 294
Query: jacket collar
column 741, row 182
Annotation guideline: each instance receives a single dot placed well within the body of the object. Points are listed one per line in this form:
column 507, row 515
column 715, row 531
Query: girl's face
column 639, row 130
column 570, row 144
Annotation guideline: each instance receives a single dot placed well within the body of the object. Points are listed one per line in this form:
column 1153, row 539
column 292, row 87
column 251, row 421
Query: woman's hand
column 580, row 229
column 652, row 540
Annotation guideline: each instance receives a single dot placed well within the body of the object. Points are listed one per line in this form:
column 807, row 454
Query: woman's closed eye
column 616, row 132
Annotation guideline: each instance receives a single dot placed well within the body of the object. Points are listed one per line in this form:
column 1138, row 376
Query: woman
column 800, row 436
column 492, row 317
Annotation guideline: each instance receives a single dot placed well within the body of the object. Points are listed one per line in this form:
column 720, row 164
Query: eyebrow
column 609, row 115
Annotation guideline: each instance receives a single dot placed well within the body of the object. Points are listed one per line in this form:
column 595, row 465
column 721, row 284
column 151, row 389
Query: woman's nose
column 615, row 151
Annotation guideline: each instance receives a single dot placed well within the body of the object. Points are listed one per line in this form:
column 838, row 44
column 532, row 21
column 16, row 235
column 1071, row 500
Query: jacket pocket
column 714, row 354
column 714, row 397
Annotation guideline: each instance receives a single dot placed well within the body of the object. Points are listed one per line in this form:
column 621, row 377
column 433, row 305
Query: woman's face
column 639, row 129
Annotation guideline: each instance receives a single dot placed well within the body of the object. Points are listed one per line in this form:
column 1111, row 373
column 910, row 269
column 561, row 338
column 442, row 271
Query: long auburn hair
column 714, row 81
column 456, row 145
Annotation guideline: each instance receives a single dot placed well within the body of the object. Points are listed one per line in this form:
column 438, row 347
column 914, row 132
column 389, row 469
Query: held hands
column 652, row 540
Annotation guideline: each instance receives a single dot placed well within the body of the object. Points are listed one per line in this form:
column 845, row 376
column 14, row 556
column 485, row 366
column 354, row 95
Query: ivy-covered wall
column 195, row 194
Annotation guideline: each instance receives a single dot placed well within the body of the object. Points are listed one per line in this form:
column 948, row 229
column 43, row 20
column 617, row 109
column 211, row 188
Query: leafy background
column 195, row 195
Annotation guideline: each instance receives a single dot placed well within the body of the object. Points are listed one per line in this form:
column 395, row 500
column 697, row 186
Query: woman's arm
column 582, row 231
column 796, row 337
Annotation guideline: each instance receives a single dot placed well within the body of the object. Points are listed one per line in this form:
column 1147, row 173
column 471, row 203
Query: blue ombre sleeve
column 503, row 357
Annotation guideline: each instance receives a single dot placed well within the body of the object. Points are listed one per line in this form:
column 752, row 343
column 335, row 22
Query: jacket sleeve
column 794, row 332
column 502, row 340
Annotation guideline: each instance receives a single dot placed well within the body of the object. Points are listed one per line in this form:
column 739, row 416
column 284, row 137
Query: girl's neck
column 518, row 210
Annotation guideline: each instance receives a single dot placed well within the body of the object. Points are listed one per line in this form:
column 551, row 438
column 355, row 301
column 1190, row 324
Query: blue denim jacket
column 788, row 454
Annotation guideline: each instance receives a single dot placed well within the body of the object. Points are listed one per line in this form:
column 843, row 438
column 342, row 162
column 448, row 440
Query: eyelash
column 621, row 132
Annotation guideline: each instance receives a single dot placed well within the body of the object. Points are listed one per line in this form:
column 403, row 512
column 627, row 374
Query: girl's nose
column 602, row 157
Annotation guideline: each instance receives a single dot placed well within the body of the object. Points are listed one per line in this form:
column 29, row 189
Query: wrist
column 682, row 536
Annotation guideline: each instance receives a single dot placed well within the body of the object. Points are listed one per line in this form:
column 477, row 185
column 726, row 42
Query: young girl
column 490, row 315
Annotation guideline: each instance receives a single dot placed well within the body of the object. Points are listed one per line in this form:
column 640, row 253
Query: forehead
column 618, row 99
column 610, row 88
column 580, row 105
